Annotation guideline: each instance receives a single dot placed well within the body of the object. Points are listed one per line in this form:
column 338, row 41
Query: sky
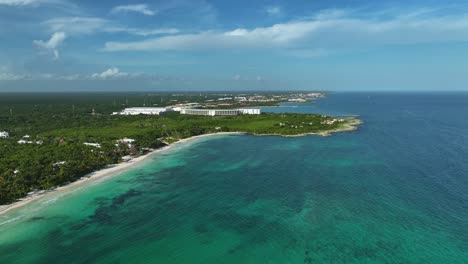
column 333, row 45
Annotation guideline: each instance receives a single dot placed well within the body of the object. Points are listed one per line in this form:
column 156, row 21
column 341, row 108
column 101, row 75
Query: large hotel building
column 183, row 111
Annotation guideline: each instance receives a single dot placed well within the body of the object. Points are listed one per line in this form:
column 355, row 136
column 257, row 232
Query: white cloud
column 335, row 29
column 149, row 32
column 140, row 8
column 18, row 2
column 8, row 76
column 4, row 76
column 91, row 25
column 52, row 44
column 37, row 3
column 273, row 10
column 111, row 73
column 76, row 25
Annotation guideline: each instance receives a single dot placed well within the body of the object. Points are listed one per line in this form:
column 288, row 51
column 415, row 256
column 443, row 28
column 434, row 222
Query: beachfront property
column 4, row 134
column 144, row 111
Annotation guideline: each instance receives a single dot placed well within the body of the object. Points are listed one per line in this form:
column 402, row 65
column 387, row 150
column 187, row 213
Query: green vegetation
column 58, row 125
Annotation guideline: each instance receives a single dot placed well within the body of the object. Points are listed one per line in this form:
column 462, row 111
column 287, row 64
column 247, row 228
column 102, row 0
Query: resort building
column 220, row 112
column 143, row 111
column 250, row 111
column 187, row 111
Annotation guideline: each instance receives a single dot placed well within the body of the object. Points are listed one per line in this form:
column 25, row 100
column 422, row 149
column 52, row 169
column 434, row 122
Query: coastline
column 115, row 169
column 108, row 171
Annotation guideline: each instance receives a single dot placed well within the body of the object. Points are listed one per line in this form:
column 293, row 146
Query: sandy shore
column 109, row 171
column 116, row 169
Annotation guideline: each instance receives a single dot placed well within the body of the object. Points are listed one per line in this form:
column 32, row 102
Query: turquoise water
column 396, row 191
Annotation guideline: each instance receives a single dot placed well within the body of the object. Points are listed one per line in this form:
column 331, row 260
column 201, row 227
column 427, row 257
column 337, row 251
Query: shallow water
column 395, row 191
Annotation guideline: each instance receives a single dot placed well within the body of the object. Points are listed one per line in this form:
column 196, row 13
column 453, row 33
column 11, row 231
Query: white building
column 220, row 112
column 210, row 112
column 23, row 141
column 125, row 141
column 250, row 111
column 96, row 145
column 60, row 163
column 143, row 111
column 205, row 112
column 4, row 134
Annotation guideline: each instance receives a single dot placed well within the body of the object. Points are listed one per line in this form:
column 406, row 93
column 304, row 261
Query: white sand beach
column 109, row 171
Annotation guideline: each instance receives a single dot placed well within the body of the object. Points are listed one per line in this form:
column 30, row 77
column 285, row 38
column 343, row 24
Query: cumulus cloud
column 140, row 8
column 52, row 44
column 327, row 29
column 111, row 73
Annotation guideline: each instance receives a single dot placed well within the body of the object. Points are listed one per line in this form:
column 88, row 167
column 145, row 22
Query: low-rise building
column 4, row 134
column 125, row 141
column 96, row 145
column 220, row 112
column 251, row 111
column 58, row 164
column 143, row 111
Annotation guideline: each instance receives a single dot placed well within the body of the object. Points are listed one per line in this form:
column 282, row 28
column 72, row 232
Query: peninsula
column 48, row 144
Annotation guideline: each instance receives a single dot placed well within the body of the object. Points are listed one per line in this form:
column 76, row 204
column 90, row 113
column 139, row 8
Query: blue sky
column 233, row 45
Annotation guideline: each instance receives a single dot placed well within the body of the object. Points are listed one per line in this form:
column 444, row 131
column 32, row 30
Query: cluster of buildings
column 125, row 141
column 187, row 111
column 331, row 121
column 26, row 140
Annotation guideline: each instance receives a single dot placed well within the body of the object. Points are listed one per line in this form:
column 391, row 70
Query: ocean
column 394, row 191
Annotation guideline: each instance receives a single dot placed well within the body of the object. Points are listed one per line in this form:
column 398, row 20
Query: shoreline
column 115, row 169
column 108, row 171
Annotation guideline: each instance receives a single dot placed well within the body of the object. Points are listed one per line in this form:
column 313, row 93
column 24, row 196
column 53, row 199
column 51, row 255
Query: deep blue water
column 394, row 191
